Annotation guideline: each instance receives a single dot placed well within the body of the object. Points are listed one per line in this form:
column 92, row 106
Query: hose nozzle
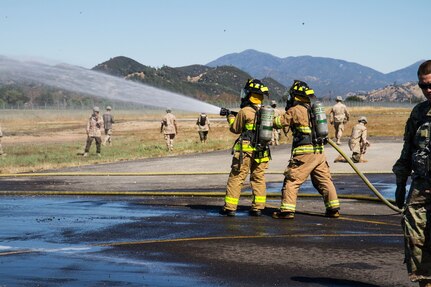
column 226, row 112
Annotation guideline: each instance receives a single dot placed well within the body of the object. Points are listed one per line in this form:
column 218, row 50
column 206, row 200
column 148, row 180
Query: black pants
column 98, row 143
column 203, row 135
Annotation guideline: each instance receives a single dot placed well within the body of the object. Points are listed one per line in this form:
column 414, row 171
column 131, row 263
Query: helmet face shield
column 244, row 93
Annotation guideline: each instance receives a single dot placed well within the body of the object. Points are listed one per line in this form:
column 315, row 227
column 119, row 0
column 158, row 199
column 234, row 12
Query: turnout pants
column 237, row 177
column 298, row 170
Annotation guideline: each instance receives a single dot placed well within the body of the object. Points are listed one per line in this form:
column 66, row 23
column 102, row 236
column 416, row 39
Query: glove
column 400, row 192
column 230, row 118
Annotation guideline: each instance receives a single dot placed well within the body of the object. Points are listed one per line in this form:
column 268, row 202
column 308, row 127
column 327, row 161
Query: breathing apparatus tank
column 320, row 122
column 265, row 125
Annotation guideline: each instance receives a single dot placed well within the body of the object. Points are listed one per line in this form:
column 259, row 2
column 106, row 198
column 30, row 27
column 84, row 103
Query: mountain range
column 220, row 81
column 327, row 76
column 218, row 85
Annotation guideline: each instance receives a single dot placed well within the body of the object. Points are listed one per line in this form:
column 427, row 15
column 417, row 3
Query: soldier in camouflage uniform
column 169, row 128
column 415, row 161
column 339, row 116
column 94, row 131
column 203, row 124
column 1, row 148
column 358, row 142
column 108, row 120
column 275, row 131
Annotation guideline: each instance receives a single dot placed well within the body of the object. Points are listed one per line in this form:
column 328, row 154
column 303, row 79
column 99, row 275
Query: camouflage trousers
column 108, row 136
column 339, row 129
column 416, row 225
column 237, row 176
column 275, row 140
column 169, row 138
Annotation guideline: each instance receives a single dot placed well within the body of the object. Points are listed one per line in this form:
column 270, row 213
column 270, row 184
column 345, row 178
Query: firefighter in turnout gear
column 249, row 154
column 415, row 161
column 307, row 157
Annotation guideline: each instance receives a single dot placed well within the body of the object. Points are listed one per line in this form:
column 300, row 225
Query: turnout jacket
column 297, row 118
column 244, row 124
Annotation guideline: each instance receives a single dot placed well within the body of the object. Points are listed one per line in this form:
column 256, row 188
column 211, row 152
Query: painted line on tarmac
column 368, row 221
column 215, row 238
column 179, row 173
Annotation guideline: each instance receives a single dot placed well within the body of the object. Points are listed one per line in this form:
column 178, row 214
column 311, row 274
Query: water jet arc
column 81, row 80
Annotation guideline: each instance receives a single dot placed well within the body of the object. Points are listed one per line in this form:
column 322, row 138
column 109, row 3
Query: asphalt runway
column 111, row 238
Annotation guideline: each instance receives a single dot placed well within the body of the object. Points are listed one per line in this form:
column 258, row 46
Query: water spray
column 81, row 80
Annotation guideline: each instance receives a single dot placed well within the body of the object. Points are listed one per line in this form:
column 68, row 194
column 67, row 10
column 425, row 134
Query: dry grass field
column 37, row 140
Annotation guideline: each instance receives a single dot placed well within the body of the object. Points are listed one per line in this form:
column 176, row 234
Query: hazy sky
column 385, row 35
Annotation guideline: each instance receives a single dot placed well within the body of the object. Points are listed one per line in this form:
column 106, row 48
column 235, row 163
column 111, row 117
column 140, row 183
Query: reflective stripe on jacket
column 244, row 121
column 298, row 120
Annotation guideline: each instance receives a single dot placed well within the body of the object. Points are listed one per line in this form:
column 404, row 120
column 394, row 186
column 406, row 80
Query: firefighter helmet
column 300, row 89
column 254, row 86
column 253, row 92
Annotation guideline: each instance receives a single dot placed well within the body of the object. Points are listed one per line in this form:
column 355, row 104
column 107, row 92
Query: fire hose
column 362, row 176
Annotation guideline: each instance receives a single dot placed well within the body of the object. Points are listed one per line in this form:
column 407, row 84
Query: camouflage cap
column 339, row 99
column 96, row 109
column 363, row 119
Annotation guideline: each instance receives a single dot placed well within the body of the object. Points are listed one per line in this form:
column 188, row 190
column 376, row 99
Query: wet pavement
column 119, row 240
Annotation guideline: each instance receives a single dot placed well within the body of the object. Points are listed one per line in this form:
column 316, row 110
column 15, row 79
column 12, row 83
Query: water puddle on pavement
column 40, row 246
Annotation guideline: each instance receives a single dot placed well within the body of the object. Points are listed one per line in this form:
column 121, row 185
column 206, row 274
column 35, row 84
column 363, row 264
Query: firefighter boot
column 255, row 212
column 283, row 215
column 333, row 213
column 227, row 212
